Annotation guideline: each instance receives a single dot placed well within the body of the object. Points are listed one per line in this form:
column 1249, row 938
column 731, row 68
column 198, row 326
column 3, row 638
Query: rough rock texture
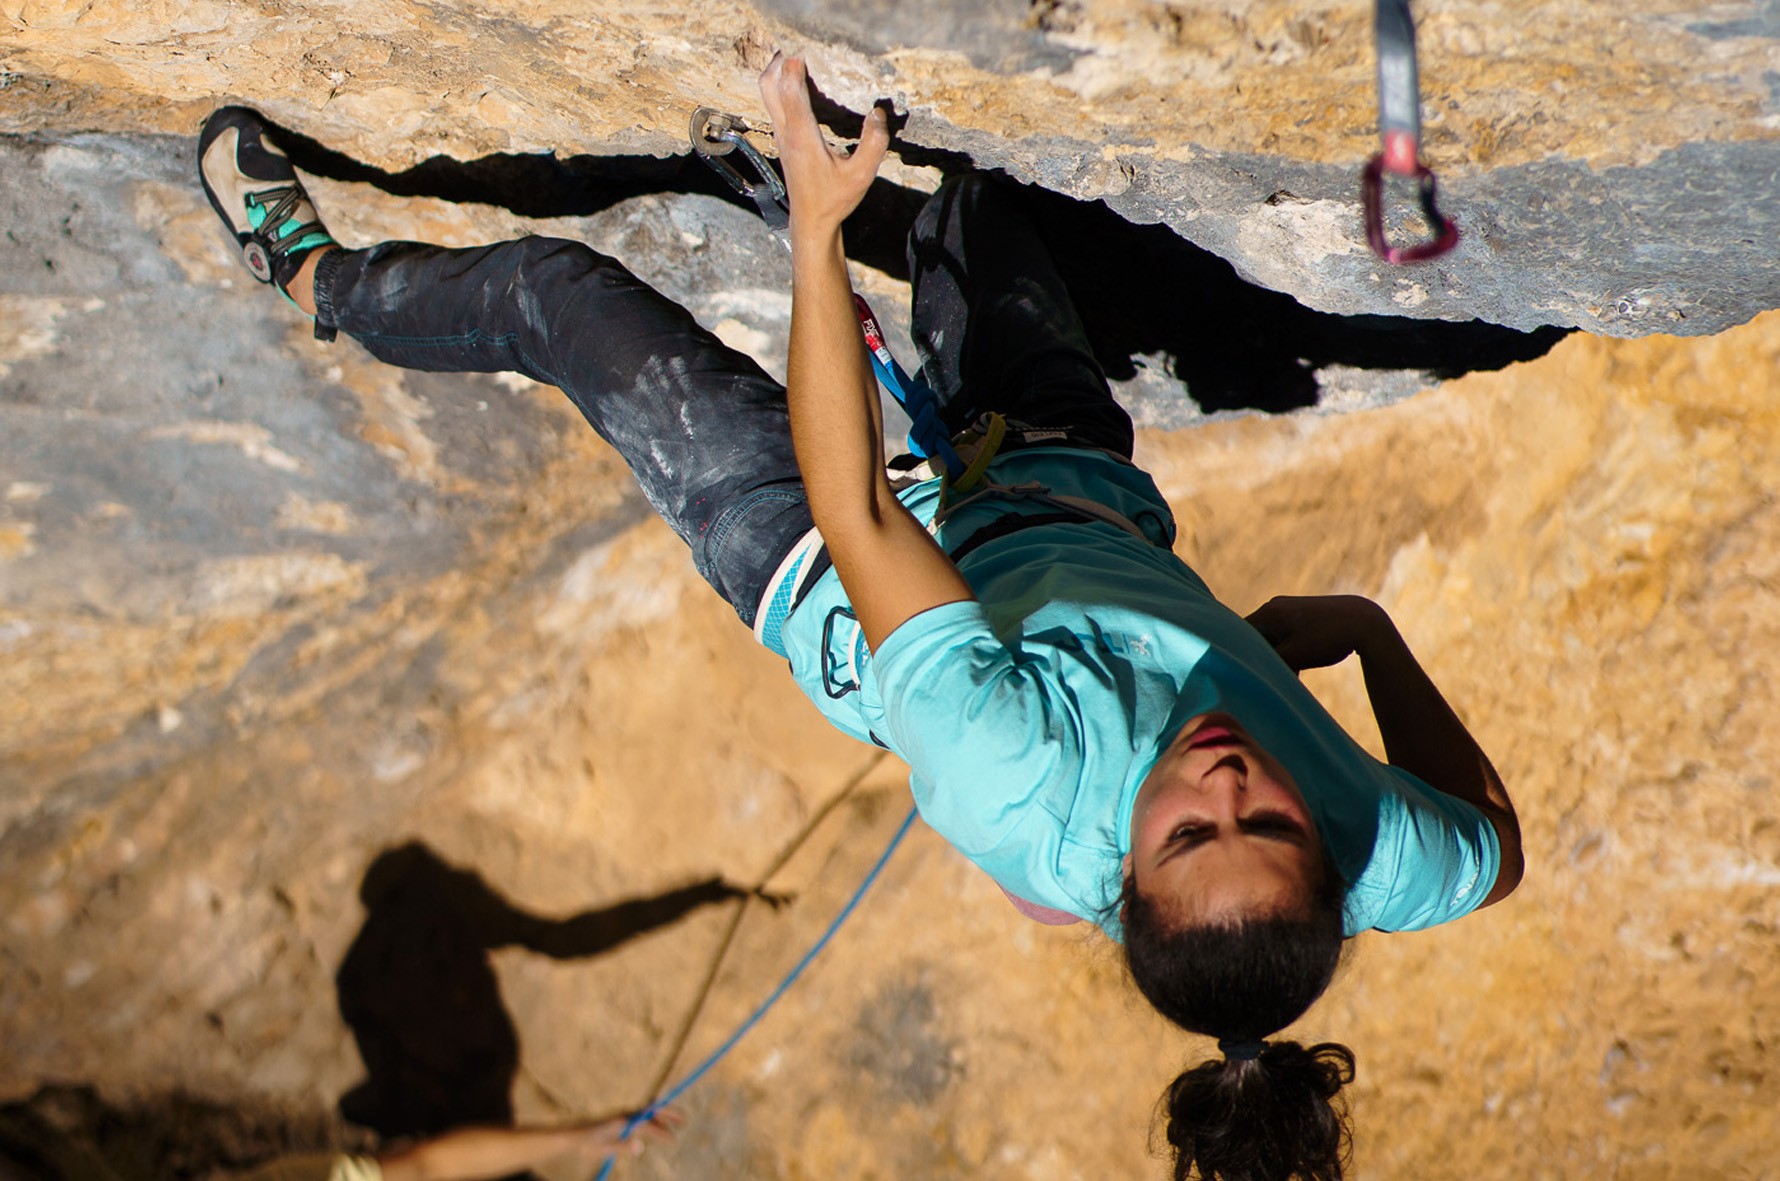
column 1612, row 165
column 268, row 609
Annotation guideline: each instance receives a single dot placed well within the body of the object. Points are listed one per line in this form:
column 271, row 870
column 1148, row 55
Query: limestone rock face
column 275, row 619
column 1611, row 165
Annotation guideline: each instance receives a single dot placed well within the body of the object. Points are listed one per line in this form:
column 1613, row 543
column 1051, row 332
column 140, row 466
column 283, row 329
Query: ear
column 1125, row 866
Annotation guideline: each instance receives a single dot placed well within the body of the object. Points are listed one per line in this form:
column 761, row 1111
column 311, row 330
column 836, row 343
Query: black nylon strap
column 1013, row 523
column 1399, row 90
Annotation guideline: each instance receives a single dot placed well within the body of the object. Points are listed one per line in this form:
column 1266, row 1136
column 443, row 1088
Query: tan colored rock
column 392, row 82
column 1590, row 576
column 1607, row 162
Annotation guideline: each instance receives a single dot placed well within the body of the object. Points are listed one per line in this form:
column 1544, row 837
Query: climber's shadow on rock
column 1142, row 290
column 421, row 997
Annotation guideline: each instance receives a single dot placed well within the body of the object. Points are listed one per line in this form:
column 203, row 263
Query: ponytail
column 1263, row 1119
column 1266, row 1111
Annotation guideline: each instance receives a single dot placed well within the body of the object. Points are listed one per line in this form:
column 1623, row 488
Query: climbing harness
column 1066, row 509
column 1400, row 129
column 703, row 1068
column 716, row 137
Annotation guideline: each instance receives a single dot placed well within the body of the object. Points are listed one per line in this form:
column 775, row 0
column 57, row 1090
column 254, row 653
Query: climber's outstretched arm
column 891, row 568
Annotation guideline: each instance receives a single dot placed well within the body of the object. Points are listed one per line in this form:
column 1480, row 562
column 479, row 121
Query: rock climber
column 1082, row 718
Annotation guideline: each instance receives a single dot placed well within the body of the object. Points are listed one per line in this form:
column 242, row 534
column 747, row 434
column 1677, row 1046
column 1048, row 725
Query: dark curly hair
column 1270, row 1118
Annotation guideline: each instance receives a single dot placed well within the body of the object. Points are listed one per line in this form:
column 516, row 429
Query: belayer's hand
column 598, row 1141
column 468, row 1154
column 824, row 183
column 1315, row 631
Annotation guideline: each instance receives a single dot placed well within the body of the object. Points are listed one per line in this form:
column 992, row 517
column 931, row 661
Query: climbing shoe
column 254, row 189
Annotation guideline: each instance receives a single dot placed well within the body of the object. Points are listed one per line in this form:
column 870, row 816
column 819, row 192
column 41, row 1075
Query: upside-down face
column 1219, row 831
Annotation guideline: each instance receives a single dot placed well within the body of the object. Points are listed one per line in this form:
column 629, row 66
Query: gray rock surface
column 172, row 447
column 1687, row 244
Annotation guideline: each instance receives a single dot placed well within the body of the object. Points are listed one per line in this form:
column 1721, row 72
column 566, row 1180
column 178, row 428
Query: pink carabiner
column 1445, row 230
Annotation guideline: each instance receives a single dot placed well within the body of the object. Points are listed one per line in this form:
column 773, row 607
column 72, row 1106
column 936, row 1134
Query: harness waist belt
column 1013, row 523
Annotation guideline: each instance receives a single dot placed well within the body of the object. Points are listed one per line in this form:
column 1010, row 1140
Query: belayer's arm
column 1421, row 732
column 891, row 569
column 477, row 1154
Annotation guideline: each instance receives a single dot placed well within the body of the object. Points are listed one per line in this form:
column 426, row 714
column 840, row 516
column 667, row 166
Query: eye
column 1191, row 833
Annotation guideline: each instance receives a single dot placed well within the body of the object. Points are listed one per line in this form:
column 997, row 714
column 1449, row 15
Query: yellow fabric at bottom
column 318, row 1167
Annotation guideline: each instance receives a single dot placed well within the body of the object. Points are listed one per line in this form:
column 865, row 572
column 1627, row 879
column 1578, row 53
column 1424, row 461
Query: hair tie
column 1240, row 1051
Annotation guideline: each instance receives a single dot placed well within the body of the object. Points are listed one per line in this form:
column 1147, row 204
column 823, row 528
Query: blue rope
column 704, row 1068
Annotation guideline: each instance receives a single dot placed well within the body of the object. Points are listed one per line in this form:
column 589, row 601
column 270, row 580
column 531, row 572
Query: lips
column 1213, row 736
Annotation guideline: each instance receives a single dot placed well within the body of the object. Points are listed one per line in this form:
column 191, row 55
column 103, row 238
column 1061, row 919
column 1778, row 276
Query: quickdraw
column 715, row 136
column 1400, row 129
column 927, row 434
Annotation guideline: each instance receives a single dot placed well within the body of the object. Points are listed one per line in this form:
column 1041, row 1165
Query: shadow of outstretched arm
column 596, row 931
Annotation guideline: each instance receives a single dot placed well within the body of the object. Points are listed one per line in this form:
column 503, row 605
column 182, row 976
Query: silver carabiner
column 715, row 134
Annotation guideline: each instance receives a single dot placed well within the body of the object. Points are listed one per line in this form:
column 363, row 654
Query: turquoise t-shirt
column 1030, row 717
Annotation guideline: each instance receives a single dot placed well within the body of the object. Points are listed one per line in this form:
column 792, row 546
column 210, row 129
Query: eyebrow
column 1269, row 823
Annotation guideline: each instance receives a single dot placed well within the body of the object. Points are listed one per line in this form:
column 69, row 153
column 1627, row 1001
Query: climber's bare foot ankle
column 302, row 287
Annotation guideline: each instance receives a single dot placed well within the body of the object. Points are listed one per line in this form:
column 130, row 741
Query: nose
column 1235, row 764
column 1224, row 784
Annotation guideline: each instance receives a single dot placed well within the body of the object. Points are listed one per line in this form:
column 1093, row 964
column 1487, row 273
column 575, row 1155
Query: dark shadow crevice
column 1142, row 290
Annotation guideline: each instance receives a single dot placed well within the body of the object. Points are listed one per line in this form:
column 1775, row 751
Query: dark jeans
column 702, row 427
